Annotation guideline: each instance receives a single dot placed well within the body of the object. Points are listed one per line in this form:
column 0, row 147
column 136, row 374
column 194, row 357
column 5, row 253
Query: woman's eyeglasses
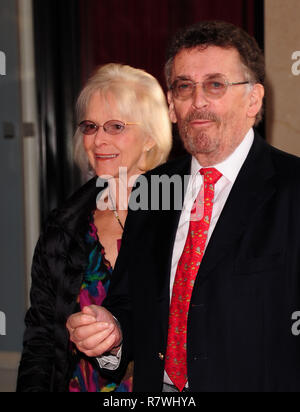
column 111, row 127
column 214, row 87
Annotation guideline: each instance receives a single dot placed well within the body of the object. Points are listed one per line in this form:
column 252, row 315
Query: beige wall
column 9, row 362
column 282, row 39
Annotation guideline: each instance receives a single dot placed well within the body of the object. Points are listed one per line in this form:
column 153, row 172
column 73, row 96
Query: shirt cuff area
column 110, row 362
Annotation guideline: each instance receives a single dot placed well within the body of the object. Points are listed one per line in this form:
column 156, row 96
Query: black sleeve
column 36, row 368
column 119, row 299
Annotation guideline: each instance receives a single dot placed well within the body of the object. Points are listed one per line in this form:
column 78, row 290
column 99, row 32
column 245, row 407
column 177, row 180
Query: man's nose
column 199, row 97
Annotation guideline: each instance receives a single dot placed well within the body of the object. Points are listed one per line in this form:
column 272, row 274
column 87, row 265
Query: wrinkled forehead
column 201, row 62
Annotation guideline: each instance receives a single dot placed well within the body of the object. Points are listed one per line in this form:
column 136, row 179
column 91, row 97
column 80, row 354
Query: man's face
column 211, row 129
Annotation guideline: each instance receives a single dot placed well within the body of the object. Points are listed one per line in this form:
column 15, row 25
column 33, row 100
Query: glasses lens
column 88, row 128
column 183, row 88
column 114, row 126
column 215, row 87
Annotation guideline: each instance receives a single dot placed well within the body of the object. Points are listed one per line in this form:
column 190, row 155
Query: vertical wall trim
column 29, row 133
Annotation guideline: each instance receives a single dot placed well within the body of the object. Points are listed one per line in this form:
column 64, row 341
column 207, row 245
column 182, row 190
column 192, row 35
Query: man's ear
column 172, row 113
column 256, row 100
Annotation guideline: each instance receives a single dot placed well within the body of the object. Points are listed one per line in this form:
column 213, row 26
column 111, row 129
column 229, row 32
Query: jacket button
column 201, row 356
column 161, row 356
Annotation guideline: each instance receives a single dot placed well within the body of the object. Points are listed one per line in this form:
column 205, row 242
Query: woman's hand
column 95, row 331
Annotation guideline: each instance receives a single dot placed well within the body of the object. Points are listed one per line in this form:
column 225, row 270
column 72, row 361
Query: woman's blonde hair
column 139, row 98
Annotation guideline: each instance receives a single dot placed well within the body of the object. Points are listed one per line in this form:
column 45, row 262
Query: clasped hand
column 94, row 331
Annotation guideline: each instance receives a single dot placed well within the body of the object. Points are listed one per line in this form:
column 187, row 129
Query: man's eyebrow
column 182, row 77
column 206, row 77
column 212, row 75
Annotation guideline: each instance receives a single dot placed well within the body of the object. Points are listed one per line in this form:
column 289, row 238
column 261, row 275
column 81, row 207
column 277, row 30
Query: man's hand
column 95, row 331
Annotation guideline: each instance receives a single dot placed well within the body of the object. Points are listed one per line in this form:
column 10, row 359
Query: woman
column 123, row 126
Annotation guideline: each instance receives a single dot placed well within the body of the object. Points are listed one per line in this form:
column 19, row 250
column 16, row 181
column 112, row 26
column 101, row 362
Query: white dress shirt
column 230, row 169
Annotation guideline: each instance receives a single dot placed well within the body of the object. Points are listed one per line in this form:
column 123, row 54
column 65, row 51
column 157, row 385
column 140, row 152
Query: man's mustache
column 204, row 115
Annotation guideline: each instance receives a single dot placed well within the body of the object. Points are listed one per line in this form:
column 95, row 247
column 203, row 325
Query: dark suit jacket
column 248, row 285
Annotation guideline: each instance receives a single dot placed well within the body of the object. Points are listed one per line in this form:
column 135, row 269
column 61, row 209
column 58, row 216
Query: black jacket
column 248, row 286
column 59, row 264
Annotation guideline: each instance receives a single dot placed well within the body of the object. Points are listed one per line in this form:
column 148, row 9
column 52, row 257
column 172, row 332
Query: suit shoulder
column 174, row 166
column 286, row 164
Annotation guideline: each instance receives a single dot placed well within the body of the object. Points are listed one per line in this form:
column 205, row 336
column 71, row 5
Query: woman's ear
column 149, row 144
column 172, row 113
column 256, row 100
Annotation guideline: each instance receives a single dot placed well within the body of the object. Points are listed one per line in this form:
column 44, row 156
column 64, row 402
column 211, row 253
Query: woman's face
column 106, row 152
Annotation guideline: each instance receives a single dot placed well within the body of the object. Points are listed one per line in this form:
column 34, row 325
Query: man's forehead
column 206, row 61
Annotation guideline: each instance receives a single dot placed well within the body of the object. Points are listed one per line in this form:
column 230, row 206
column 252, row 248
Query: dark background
column 73, row 37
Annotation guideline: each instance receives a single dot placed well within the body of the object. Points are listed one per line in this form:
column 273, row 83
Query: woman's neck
column 120, row 191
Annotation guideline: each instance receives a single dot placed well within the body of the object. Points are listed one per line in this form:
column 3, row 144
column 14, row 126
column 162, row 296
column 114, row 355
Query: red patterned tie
column 186, row 273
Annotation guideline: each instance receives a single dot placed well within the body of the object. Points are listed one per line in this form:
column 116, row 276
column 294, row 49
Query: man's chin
column 199, row 144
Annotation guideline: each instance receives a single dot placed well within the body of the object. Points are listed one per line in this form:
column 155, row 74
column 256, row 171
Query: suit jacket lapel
column 169, row 219
column 168, row 224
column 253, row 186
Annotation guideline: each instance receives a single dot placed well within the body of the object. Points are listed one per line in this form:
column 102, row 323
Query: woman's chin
column 102, row 171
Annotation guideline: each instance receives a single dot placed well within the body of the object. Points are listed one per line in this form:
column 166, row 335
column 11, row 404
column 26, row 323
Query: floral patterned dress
column 86, row 376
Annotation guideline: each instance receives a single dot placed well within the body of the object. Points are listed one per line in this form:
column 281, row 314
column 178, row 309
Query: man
column 205, row 296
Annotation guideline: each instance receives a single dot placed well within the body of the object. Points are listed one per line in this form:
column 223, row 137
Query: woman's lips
column 102, row 156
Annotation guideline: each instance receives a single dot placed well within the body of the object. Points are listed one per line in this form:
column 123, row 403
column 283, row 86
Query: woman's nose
column 101, row 136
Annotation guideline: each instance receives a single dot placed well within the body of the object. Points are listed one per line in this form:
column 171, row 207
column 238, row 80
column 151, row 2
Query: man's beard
column 198, row 142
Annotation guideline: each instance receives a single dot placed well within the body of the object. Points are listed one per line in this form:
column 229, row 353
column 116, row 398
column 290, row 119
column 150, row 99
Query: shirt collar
column 231, row 166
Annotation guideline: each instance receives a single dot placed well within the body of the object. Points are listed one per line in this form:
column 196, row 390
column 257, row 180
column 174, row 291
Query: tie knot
column 211, row 175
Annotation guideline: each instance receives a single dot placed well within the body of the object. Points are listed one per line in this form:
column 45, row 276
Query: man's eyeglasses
column 214, row 87
column 111, row 127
